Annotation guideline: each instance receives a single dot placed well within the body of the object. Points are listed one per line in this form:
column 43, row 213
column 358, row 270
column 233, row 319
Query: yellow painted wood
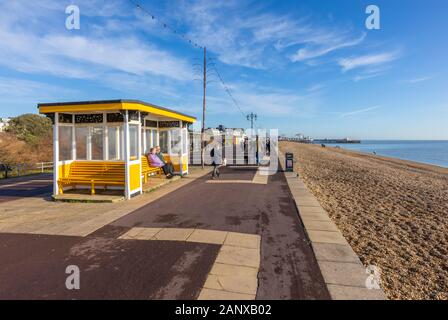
column 115, row 107
column 147, row 169
column 63, row 170
column 134, row 176
column 93, row 173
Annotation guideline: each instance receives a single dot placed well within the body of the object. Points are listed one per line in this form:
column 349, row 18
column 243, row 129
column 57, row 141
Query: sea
column 433, row 152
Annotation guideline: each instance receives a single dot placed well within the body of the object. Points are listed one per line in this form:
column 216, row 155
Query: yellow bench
column 147, row 169
column 94, row 174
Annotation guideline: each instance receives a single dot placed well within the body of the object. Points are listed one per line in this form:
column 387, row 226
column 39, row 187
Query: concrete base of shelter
column 109, row 196
column 83, row 195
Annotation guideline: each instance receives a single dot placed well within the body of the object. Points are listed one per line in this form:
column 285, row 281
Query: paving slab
column 326, row 237
column 334, row 252
column 209, row 294
column 173, row 234
column 141, row 233
column 307, row 202
column 313, row 216
column 243, row 240
column 342, row 273
column 320, row 225
column 239, row 256
column 338, row 292
column 306, row 210
column 232, row 278
column 208, row 236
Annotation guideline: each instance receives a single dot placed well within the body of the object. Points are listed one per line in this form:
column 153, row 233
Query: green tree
column 31, row 128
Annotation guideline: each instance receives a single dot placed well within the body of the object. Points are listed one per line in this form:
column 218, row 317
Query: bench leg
column 60, row 188
column 92, row 192
column 145, row 178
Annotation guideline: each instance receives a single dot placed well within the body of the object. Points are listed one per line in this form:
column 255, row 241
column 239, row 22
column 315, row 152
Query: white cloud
column 320, row 48
column 240, row 35
column 263, row 100
column 367, row 60
column 359, row 111
column 315, row 88
column 56, row 51
column 420, row 79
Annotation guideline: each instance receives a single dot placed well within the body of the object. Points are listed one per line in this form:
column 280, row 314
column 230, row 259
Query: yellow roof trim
column 115, row 106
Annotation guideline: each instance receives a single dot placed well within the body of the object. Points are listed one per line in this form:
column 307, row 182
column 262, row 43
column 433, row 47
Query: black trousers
column 215, row 172
column 168, row 169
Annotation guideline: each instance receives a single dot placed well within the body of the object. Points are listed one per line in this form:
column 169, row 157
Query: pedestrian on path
column 216, row 156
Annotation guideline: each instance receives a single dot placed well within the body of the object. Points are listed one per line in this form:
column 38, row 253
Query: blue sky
column 302, row 66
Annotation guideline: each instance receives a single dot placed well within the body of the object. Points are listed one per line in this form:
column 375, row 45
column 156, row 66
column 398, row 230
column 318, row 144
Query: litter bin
column 289, row 162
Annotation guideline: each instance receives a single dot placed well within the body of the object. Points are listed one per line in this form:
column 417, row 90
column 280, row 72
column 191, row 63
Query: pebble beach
column 394, row 214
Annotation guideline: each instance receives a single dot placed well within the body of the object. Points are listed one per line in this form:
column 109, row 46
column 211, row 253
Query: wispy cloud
column 420, row 79
column 315, row 88
column 240, row 35
column 368, row 60
column 320, row 48
column 356, row 112
column 63, row 53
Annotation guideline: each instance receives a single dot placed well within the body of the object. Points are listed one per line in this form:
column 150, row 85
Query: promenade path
column 237, row 237
column 28, row 186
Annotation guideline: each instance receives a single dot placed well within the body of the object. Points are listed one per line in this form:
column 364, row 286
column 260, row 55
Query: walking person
column 216, row 156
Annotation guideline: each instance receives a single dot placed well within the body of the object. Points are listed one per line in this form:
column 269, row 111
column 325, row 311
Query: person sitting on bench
column 155, row 161
column 162, row 158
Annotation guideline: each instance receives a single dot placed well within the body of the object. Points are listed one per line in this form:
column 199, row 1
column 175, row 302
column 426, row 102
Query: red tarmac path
column 33, row 266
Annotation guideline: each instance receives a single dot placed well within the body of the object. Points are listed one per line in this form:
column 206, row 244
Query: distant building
column 4, row 123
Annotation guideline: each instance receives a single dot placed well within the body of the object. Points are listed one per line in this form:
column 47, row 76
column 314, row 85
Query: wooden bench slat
column 102, row 173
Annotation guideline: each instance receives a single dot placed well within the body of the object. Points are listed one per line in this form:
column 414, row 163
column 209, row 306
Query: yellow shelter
column 101, row 144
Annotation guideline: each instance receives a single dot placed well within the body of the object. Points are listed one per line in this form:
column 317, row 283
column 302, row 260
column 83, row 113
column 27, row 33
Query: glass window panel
column 148, row 140
column 65, row 143
column 176, row 141
column 184, row 140
column 133, row 140
column 112, row 135
column 163, row 141
column 155, row 143
column 97, row 143
column 143, row 141
column 121, row 143
column 81, row 135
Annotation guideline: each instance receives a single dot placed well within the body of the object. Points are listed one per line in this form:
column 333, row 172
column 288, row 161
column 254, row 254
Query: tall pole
column 203, row 108
column 251, row 117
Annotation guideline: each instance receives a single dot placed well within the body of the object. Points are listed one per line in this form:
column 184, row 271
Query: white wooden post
column 89, row 143
column 139, row 146
column 127, row 186
column 56, row 154
column 73, row 141
column 105, row 138
column 187, row 151
column 143, row 133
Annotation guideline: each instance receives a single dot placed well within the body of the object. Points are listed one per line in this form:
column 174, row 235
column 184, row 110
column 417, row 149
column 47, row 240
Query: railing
column 45, row 166
column 25, row 169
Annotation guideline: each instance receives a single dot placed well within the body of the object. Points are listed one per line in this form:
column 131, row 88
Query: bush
column 30, row 128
